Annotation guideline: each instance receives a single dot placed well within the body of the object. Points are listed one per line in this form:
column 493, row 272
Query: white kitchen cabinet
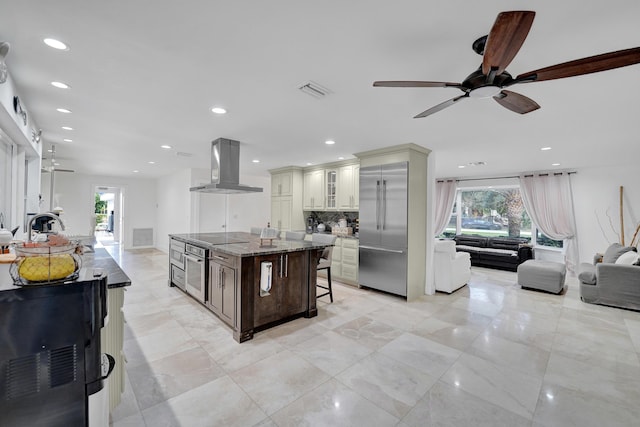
column 331, row 184
column 282, row 183
column 348, row 187
column 286, row 199
column 313, row 194
column 344, row 260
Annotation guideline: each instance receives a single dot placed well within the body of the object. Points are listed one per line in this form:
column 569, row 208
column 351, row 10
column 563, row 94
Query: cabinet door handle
column 219, row 278
column 280, row 270
column 222, row 276
column 286, row 265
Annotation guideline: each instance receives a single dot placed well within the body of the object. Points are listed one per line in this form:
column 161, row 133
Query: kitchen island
column 249, row 285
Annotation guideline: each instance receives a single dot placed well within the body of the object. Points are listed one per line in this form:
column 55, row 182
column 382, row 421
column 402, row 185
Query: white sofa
column 452, row 269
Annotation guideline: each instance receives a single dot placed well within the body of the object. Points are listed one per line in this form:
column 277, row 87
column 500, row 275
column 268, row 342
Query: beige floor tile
column 332, row 404
column 446, row 405
column 217, row 403
column 278, row 380
column 389, row 384
column 369, row 332
column 331, row 352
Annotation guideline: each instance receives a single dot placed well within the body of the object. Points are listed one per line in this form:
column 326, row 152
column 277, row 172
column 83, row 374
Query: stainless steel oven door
column 195, row 277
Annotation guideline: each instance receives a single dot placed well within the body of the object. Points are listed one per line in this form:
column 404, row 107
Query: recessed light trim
column 166, row 147
column 255, row 161
column 309, row 163
column 152, row 163
column 60, row 85
column 67, row 140
column 63, row 110
column 340, row 158
column 545, row 149
column 329, row 142
column 555, row 164
column 136, row 171
column 461, row 166
column 219, row 110
column 67, row 128
column 56, row 44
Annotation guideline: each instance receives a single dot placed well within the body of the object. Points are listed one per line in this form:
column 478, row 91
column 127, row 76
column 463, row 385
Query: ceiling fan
column 498, row 50
column 52, row 164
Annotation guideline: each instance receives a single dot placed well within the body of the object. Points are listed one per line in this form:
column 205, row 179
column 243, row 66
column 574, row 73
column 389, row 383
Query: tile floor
column 491, row 354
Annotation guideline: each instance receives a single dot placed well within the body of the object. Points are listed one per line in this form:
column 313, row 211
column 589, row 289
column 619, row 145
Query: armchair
column 452, row 269
column 615, row 281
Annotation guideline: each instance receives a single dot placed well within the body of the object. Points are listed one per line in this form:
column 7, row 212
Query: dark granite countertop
column 94, row 264
column 245, row 244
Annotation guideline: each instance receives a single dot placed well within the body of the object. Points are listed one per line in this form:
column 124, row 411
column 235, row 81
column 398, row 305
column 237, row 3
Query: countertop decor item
column 46, row 262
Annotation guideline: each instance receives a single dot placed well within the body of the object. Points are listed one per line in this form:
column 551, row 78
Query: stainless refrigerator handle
column 286, row 265
column 378, row 205
column 373, row 248
column 384, row 203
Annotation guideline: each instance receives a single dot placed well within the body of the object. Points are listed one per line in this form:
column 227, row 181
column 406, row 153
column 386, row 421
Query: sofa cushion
column 614, row 251
column 476, row 241
column 628, row 258
column 505, row 243
column 587, row 274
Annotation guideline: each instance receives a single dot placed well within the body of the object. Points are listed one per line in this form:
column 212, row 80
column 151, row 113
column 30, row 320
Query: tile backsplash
column 330, row 219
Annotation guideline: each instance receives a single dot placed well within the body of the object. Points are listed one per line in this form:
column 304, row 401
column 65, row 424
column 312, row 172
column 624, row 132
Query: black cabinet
column 289, row 289
column 223, row 287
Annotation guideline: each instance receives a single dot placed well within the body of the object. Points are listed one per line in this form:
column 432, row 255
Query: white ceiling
column 145, row 73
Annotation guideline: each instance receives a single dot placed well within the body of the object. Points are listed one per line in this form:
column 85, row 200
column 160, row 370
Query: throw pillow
column 614, row 251
column 628, row 258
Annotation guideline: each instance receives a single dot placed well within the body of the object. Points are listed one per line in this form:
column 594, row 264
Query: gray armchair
column 609, row 282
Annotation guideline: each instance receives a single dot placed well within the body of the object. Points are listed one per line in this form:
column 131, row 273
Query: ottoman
column 542, row 275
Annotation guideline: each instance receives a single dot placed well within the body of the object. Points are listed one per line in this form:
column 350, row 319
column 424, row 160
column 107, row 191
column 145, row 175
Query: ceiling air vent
column 314, row 89
column 183, row 154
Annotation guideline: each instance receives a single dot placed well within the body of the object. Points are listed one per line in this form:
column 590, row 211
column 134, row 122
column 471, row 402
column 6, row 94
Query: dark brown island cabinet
column 234, row 272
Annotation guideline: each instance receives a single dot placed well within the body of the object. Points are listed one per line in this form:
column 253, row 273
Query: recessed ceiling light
column 60, row 85
column 50, row 150
column 63, row 110
column 67, row 128
column 56, row 44
column 136, row 171
column 255, row 161
column 555, row 164
column 166, row 147
column 68, row 140
column 152, row 163
column 309, row 163
column 329, row 142
column 56, row 164
column 340, row 158
column 545, row 149
column 461, row 166
column 219, row 110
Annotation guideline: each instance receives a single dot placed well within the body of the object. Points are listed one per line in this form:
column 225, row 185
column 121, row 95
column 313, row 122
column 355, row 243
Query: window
column 494, row 212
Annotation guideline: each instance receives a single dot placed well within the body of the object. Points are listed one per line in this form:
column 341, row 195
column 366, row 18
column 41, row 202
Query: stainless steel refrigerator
column 383, row 227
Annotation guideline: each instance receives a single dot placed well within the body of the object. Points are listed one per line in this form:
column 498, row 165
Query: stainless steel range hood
column 225, row 170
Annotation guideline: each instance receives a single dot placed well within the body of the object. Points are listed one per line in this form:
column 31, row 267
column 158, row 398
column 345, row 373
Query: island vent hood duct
column 225, row 170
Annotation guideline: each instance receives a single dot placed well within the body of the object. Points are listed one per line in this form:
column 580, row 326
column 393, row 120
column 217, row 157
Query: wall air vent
column 314, row 89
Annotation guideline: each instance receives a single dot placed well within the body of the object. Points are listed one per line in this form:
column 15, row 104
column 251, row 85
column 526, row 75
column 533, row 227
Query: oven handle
column 194, row 259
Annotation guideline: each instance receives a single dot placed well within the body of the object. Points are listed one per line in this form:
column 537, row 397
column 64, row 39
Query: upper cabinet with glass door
column 331, row 184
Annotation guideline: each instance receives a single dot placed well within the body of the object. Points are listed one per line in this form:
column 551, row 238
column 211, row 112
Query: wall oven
column 196, row 271
column 177, row 261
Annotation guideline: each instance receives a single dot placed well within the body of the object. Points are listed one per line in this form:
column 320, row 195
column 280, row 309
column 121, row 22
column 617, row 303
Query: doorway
column 108, row 213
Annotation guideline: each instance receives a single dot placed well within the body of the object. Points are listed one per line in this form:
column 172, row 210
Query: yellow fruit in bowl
column 46, row 268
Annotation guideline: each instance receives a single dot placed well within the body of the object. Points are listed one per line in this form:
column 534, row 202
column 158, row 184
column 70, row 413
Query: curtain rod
column 503, row 177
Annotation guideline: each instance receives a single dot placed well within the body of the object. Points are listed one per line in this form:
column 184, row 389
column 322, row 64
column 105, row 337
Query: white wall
column 596, row 193
column 74, row 192
column 173, row 213
column 181, row 211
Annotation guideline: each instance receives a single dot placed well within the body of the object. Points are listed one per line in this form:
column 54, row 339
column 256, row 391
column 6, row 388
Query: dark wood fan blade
column 592, row 64
column 415, row 84
column 505, row 39
column 516, row 102
column 441, row 106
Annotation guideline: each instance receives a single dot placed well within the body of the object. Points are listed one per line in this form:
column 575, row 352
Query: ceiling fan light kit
column 498, row 49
